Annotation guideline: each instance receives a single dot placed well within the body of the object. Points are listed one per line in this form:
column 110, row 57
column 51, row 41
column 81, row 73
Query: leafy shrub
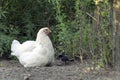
column 6, row 40
column 79, row 27
column 21, row 20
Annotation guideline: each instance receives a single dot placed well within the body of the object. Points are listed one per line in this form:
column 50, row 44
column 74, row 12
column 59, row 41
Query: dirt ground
column 13, row 70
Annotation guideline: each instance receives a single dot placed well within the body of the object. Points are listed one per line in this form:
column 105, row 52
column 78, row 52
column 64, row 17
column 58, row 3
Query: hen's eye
column 46, row 30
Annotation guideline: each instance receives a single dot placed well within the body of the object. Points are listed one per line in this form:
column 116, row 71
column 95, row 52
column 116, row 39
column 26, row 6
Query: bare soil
column 13, row 70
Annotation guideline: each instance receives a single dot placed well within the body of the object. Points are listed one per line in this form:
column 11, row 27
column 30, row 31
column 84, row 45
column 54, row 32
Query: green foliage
column 21, row 19
column 69, row 38
column 80, row 28
column 5, row 40
column 68, row 35
column 84, row 29
column 2, row 13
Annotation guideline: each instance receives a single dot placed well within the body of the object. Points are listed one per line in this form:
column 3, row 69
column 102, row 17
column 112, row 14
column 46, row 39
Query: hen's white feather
column 36, row 57
column 34, row 53
column 17, row 48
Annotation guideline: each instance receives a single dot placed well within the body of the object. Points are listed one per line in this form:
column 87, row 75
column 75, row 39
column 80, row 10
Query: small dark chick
column 64, row 58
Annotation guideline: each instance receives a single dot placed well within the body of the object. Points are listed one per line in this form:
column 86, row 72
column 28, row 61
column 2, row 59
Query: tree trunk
column 116, row 34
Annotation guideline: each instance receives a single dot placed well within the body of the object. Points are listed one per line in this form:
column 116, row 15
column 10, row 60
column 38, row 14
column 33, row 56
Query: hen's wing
column 35, row 58
column 27, row 46
column 17, row 48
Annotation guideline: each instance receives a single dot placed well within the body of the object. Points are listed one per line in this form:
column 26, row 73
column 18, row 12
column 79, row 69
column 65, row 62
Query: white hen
column 34, row 53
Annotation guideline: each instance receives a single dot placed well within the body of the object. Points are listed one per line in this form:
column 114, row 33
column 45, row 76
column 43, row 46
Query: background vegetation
column 81, row 29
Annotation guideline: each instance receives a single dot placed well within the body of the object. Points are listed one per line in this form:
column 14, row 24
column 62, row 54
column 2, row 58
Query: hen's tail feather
column 14, row 45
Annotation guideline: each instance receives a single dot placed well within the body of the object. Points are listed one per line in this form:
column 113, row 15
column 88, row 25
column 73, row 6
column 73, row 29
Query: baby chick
column 64, row 58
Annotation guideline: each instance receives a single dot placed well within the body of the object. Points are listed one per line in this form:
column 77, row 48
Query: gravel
column 13, row 70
